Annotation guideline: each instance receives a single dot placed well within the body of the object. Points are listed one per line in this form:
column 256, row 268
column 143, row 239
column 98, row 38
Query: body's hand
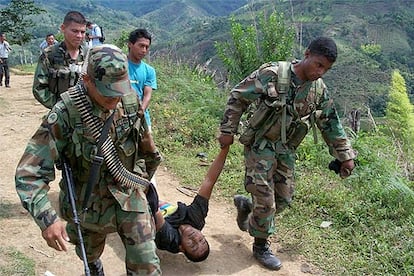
column 56, row 236
column 346, row 168
column 225, row 140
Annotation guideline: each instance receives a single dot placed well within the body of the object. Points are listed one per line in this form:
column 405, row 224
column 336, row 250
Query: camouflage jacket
column 56, row 71
column 305, row 102
column 62, row 132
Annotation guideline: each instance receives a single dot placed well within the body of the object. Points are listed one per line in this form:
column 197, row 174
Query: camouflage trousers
column 269, row 178
column 136, row 230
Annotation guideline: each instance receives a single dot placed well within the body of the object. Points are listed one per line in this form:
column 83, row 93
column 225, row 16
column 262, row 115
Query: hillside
column 186, row 30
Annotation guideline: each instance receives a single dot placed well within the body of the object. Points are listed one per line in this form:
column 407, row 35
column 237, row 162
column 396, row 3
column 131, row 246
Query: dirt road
column 230, row 253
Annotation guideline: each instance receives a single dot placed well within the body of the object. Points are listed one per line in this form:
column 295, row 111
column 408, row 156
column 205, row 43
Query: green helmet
column 109, row 67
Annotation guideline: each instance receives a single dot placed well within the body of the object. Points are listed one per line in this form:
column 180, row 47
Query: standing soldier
column 59, row 66
column 291, row 99
column 97, row 120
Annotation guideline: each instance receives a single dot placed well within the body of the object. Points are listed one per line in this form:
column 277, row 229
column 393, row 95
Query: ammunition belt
column 121, row 175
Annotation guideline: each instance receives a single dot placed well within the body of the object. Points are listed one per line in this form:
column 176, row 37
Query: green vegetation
column 268, row 40
column 371, row 211
column 15, row 263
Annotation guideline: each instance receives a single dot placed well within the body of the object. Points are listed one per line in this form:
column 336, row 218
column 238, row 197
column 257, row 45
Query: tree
column 15, row 19
column 267, row 40
column 400, row 117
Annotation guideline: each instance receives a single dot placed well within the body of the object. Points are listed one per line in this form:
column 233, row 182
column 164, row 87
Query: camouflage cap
column 109, row 67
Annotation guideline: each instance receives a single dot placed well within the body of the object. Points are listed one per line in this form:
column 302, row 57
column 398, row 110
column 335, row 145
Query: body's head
column 319, row 58
column 50, row 39
column 139, row 42
column 2, row 37
column 106, row 78
column 73, row 29
column 193, row 243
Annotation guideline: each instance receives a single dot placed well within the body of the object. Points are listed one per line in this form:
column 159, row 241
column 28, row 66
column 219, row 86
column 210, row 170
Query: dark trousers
column 4, row 69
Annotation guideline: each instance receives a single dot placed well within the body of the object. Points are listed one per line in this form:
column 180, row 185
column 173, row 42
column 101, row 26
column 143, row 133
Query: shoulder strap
column 283, row 85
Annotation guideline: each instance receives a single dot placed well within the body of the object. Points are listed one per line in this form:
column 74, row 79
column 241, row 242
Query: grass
column 12, row 261
column 26, row 69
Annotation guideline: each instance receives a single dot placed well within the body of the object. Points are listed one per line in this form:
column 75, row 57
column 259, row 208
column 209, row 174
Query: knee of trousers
column 142, row 258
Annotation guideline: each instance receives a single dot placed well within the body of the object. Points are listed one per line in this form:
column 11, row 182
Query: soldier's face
column 106, row 103
column 315, row 66
column 74, row 34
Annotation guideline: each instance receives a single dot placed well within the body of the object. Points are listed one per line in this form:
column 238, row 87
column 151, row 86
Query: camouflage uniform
column 269, row 162
column 112, row 207
column 56, row 71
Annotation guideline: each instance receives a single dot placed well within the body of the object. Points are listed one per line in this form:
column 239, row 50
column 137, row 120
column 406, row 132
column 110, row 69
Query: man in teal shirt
column 143, row 81
column 143, row 77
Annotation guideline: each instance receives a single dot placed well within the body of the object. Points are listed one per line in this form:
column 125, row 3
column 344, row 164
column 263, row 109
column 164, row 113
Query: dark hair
column 74, row 16
column 324, row 46
column 198, row 258
column 49, row 34
column 139, row 33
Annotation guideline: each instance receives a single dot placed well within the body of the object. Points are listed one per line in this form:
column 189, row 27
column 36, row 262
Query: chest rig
column 285, row 112
column 63, row 72
column 81, row 116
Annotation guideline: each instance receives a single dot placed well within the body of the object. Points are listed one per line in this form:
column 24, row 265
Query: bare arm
column 213, row 173
column 147, row 97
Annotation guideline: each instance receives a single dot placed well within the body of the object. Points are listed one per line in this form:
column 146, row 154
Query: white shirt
column 4, row 49
column 96, row 31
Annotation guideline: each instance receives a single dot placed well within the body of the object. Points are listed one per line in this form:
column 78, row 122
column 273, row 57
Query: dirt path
column 230, row 253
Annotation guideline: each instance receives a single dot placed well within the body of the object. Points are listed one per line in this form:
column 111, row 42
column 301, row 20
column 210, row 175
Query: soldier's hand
column 346, row 168
column 225, row 140
column 56, row 236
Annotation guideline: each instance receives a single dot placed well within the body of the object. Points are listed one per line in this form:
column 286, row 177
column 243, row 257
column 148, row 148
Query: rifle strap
column 97, row 161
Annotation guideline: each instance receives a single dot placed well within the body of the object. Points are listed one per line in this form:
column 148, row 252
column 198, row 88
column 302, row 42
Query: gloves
column 344, row 169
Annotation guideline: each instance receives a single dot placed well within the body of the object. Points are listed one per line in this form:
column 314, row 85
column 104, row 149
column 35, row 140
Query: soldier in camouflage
column 59, row 66
column 112, row 207
column 278, row 125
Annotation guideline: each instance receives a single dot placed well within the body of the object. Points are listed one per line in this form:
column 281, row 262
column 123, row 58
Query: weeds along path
column 20, row 115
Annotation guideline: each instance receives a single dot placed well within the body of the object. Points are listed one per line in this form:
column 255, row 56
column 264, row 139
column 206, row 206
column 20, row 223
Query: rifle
column 68, row 178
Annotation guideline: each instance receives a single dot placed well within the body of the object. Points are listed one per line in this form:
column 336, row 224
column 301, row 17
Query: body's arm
column 213, row 173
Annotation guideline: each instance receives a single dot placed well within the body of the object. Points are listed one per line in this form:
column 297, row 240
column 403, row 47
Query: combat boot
column 244, row 207
column 96, row 268
column 264, row 255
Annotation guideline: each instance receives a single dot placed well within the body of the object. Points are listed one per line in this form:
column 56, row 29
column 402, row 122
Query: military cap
column 109, row 67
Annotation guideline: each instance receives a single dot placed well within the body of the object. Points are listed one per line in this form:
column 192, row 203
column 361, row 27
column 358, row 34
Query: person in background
column 143, row 79
column 94, row 34
column 107, row 204
column 59, row 66
column 49, row 41
column 4, row 65
column 290, row 101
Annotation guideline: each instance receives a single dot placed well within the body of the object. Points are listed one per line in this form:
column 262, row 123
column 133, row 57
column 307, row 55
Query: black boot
column 96, row 268
column 264, row 255
column 244, row 207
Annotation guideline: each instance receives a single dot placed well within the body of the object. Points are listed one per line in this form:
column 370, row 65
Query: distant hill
column 188, row 29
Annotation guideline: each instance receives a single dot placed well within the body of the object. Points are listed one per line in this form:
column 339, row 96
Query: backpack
column 102, row 38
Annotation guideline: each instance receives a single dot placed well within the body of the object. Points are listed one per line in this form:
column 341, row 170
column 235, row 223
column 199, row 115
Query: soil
column 20, row 115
